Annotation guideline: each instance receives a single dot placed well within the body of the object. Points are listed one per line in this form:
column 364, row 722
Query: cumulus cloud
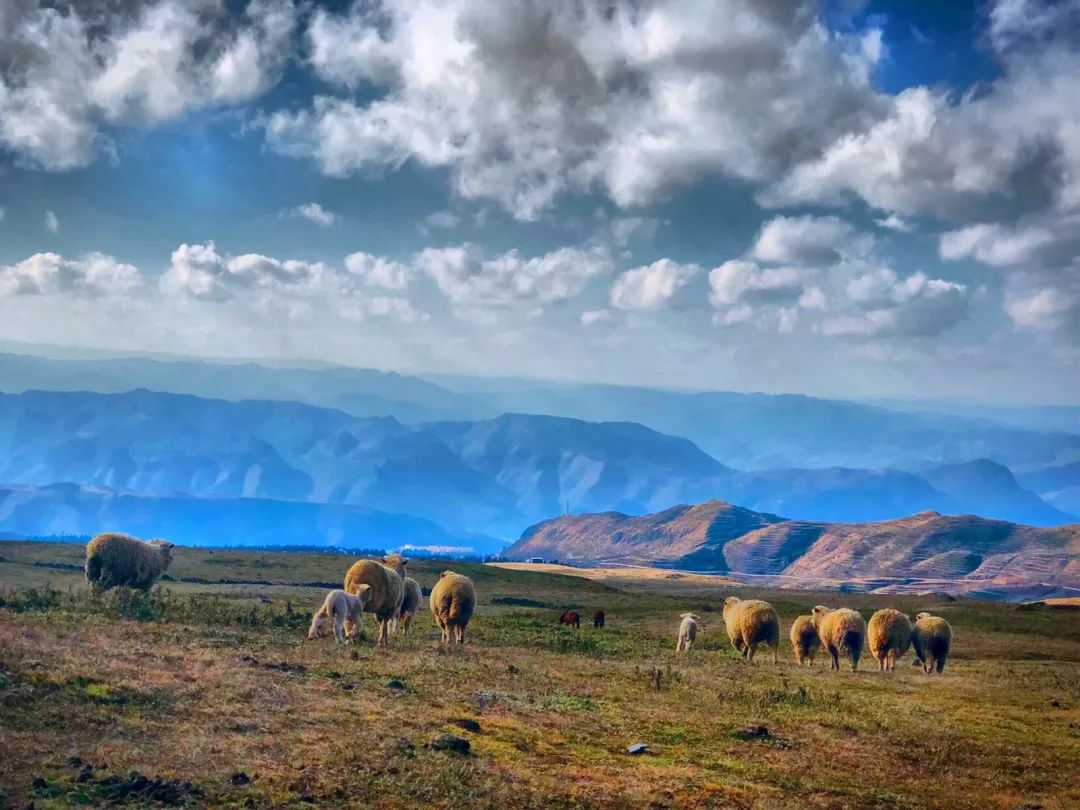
column 594, row 317
column 312, row 212
column 915, row 306
column 48, row 273
column 895, row 223
column 201, row 272
column 468, row 279
column 523, row 101
column 378, row 271
column 70, row 72
column 52, row 224
column 652, row 286
column 809, row 240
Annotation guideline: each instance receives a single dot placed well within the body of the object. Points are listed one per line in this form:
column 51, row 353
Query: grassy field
column 209, row 694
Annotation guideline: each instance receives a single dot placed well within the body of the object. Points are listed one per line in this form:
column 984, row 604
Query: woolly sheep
column 452, row 602
column 117, row 559
column 889, row 636
column 804, row 640
column 386, row 578
column 571, row 618
column 841, row 630
column 751, row 622
column 932, row 638
column 688, row 628
column 598, row 619
column 344, row 610
column 410, row 603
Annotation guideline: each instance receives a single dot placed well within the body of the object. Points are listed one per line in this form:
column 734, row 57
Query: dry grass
column 220, row 681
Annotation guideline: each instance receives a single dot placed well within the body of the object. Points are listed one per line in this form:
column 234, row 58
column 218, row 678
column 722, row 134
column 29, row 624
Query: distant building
column 536, row 560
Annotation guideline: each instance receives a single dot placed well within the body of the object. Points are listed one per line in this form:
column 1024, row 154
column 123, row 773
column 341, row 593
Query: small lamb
column 345, row 610
column 688, row 628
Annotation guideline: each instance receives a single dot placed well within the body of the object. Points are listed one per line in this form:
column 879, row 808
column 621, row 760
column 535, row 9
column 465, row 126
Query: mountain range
column 926, row 551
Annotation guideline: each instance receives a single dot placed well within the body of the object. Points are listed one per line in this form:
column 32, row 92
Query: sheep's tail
column 454, row 611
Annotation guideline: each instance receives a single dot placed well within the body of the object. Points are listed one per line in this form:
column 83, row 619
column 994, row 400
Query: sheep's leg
column 459, row 631
column 854, row 662
column 835, row 654
column 776, row 653
column 384, row 632
column 751, row 651
column 339, row 629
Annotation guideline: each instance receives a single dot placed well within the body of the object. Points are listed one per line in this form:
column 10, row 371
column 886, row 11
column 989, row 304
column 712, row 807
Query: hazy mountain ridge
column 490, row 477
column 744, row 431
column 965, row 552
column 86, row 510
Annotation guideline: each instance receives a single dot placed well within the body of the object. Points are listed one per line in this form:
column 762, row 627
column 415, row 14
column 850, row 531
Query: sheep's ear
column 404, row 560
column 382, row 559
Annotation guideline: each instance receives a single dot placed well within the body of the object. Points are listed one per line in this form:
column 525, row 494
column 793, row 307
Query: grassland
column 213, row 688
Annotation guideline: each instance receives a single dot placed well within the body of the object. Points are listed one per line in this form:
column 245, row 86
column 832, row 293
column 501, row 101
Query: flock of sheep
column 382, row 588
column 752, row 623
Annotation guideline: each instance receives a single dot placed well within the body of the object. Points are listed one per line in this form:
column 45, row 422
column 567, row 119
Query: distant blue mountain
column 490, row 477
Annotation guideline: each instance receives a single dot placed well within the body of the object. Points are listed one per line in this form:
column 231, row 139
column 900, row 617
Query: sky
column 847, row 198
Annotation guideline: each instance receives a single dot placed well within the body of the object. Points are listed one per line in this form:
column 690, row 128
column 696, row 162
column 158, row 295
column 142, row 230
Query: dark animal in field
column 598, row 619
column 114, row 560
column 572, row 618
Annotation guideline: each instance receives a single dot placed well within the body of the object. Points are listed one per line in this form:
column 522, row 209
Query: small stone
column 451, row 744
column 466, row 723
column 239, row 778
column 637, row 748
column 395, row 683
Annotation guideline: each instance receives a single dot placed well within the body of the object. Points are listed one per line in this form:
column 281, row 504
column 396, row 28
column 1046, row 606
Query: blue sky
column 847, row 199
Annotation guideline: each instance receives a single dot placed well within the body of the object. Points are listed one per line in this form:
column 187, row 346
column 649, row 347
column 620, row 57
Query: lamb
column 932, row 638
column 452, row 602
column 889, row 635
column 598, row 619
column 116, row 559
column 804, row 640
column 386, row 578
column 571, row 618
column 751, row 622
column 688, row 628
column 345, row 610
column 841, row 630
column 411, row 602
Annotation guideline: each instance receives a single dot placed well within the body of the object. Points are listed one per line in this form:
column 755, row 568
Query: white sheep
column 688, row 629
column 345, row 610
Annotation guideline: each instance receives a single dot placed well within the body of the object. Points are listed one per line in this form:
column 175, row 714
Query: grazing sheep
column 932, row 638
column 751, row 622
column 889, row 636
column 117, row 559
column 688, row 628
column 804, row 640
column 571, row 618
column 411, row 602
column 841, row 630
column 386, row 578
column 598, row 619
column 345, row 610
column 452, row 602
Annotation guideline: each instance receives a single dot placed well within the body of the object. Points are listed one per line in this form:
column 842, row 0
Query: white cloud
column 895, row 223
column 524, row 102
column 377, row 271
column 995, row 244
column 52, row 224
column 809, row 240
column 745, row 282
column 48, row 273
column 915, row 306
column 95, row 64
column 441, row 219
column 652, row 286
column 594, row 317
column 466, row 278
column 201, row 272
column 312, row 212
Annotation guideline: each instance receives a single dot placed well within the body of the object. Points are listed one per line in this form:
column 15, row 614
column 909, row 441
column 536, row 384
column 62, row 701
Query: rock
column 451, row 744
column 466, row 723
column 239, row 778
column 395, row 683
column 637, row 748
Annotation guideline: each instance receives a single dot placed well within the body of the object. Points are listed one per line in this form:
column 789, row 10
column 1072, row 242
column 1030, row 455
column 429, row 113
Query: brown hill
column 928, row 551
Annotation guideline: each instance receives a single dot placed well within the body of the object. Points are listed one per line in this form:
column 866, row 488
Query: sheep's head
column 396, row 562
column 731, row 601
column 320, row 624
column 693, row 616
column 363, row 593
column 446, row 574
column 920, row 616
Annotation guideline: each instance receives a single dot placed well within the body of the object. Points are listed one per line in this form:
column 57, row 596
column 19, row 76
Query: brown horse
column 598, row 619
column 572, row 618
